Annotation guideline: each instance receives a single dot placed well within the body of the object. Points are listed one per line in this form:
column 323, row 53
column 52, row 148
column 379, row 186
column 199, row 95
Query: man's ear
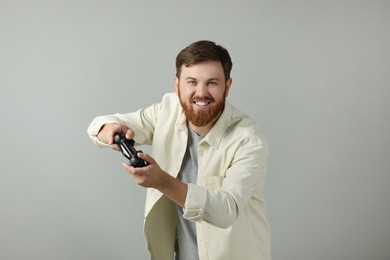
column 176, row 81
column 228, row 84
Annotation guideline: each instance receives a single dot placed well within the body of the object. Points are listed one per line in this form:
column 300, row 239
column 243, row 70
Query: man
column 204, row 197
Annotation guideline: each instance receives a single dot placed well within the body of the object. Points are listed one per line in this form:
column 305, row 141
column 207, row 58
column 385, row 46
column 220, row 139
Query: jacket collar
column 217, row 132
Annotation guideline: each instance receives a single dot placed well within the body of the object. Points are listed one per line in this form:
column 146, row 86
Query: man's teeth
column 200, row 103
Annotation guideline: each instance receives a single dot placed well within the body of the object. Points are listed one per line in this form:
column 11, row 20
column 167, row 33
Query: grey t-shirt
column 186, row 246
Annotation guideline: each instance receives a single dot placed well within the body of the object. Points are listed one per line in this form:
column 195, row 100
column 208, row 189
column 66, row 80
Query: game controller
column 128, row 150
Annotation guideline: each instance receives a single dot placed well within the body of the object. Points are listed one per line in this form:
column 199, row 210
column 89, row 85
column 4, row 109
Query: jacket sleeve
column 242, row 182
column 141, row 122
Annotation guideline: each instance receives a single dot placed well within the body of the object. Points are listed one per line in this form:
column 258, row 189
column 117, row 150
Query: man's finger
column 116, row 147
column 146, row 157
column 128, row 168
column 129, row 133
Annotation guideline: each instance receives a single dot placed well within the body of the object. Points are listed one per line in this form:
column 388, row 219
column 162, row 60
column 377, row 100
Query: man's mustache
column 198, row 98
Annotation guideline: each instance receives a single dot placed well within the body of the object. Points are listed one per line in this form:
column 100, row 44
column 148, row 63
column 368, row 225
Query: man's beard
column 202, row 117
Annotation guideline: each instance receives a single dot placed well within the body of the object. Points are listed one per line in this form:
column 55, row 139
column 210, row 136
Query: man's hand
column 107, row 132
column 151, row 176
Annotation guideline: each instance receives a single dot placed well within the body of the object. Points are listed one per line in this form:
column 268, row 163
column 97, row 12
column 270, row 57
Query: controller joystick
column 128, row 150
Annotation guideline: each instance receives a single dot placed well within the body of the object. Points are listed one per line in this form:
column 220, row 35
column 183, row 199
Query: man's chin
column 199, row 121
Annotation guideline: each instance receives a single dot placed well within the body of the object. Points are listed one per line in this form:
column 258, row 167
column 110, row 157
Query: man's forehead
column 209, row 69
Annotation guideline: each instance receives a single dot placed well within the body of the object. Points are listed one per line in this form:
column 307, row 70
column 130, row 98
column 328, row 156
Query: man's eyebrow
column 187, row 78
column 211, row 79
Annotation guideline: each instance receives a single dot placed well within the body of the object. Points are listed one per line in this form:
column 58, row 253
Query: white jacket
column 226, row 202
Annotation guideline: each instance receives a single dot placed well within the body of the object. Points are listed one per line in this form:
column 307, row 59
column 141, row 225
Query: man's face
column 202, row 90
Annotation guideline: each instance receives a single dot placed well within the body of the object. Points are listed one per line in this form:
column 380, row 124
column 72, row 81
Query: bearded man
column 205, row 179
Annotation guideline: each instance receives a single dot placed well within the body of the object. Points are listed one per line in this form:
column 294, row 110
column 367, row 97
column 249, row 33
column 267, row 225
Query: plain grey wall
column 314, row 75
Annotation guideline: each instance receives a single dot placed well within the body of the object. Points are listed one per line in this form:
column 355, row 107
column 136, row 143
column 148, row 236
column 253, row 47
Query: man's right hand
column 107, row 132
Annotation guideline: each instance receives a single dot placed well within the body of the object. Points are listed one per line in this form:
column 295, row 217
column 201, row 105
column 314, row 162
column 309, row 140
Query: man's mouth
column 201, row 103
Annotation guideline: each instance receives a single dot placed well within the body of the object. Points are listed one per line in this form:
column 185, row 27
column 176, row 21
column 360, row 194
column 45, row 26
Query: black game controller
column 128, row 150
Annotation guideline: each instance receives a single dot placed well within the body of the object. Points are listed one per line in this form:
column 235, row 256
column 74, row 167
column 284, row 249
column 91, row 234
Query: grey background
column 313, row 74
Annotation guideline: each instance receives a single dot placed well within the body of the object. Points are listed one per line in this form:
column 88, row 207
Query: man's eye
column 192, row 82
column 212, row 83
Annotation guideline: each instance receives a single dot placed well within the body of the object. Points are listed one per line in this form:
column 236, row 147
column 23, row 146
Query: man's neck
column 200, row 130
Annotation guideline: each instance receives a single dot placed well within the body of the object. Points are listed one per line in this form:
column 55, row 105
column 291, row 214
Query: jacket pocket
column 213, row 182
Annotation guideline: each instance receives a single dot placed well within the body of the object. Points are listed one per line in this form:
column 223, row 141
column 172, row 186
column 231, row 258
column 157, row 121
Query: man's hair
column 202, row 51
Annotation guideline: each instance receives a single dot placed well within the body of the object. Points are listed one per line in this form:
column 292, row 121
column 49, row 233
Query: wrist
column 99, row 131
column 174, row 189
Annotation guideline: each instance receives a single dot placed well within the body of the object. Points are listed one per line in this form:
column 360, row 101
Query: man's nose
column 202, row 90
